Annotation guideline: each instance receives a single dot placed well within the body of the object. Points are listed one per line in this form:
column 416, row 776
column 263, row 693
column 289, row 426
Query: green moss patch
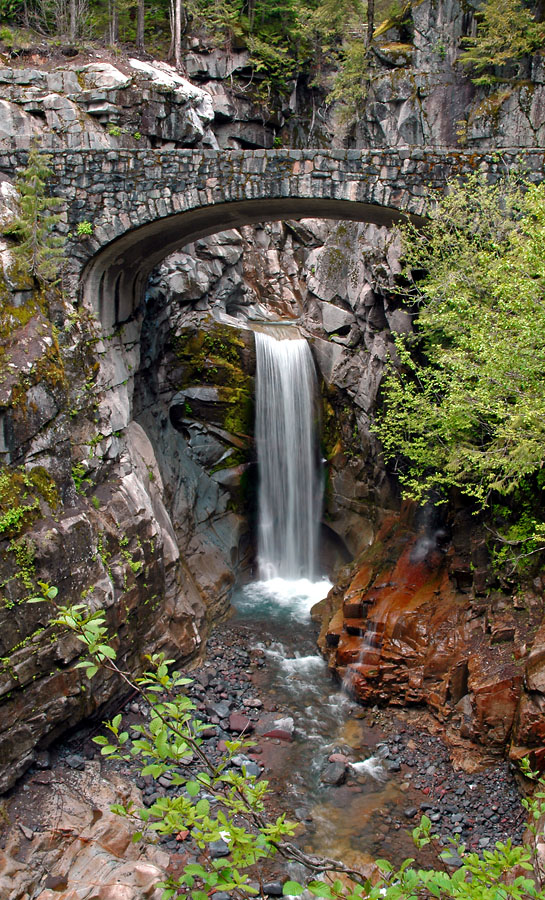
column 22, row 494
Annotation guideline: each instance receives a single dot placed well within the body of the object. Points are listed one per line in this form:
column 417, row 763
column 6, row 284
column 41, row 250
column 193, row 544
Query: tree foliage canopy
column 507, row 31
column 466, row 408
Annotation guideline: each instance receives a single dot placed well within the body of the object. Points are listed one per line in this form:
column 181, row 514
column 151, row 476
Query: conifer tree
column 506, row 32
column 39, row 250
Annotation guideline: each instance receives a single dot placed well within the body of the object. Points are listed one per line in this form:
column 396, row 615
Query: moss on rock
column 23, row 494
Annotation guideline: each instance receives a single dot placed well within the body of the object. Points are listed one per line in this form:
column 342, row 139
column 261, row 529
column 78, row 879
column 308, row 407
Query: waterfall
column 290, row 488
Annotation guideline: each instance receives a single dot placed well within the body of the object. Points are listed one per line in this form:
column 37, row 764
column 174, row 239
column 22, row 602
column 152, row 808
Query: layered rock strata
column 405, row 625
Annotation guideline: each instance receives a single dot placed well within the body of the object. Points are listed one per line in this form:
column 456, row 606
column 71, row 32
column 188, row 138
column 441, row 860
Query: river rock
column 240, row 723
column 271, row 726
column 334, row 773
column 218, row 849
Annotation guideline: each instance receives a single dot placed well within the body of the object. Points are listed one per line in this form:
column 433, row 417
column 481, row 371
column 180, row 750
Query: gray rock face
column 424, row 97
column 15, row 123
column 100, row 106
column 335, row 319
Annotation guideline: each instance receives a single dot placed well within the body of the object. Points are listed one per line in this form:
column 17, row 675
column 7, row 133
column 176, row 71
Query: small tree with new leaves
column 465, row 410
column 39, row 251
column 217, row 802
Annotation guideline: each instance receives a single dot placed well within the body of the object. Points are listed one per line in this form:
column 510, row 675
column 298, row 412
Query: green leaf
column 202, row 807
column 194, row 869
column 292, row 888
column 384, row 865
column 319, row 889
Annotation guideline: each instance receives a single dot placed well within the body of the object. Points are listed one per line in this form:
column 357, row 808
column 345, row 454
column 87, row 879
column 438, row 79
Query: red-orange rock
column 407, row 631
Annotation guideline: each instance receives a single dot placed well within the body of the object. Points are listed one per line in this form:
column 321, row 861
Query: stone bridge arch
column 145, row 204
column 113, row 282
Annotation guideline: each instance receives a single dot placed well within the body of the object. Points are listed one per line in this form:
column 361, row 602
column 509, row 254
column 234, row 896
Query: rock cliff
column 152, row 520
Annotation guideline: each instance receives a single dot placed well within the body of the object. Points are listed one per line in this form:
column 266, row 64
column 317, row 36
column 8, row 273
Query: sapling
column 217, row 803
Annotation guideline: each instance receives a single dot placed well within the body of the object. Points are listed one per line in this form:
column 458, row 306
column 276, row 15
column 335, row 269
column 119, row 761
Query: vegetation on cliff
column 336, row 44
column 38, row 251
column 507, row 31
column 466, row 409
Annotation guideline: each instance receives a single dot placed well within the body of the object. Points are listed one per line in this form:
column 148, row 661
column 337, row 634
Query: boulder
column 335, row 319
column 103, row 77
column 334, row 773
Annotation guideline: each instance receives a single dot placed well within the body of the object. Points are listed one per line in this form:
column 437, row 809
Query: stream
column 391, row 769
column 339, row 818
column 355, row 779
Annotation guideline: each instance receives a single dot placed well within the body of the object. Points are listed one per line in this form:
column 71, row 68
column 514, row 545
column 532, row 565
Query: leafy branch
column 217, row 803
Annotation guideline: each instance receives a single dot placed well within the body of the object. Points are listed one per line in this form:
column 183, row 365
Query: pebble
column 459, row 804
column 240, row 723
column 218, row 849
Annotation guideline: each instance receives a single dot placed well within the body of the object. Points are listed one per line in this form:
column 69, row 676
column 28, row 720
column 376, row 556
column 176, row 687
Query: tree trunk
column 171, row 23
column 114, row 22
column 251, row 13
column 140, row 25
column 72, row 21
column 370, row 21
column 178, row 11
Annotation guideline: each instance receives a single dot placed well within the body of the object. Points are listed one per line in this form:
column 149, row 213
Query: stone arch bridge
column 144, row 204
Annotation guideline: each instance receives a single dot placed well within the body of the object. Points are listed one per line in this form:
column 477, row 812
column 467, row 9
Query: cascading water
column 306, row 703
column 290, row 488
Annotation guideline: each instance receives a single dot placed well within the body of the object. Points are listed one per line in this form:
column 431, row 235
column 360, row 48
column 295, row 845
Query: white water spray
column 290, row 488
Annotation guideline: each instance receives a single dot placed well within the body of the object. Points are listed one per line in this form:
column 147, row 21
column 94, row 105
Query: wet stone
column 334, row 774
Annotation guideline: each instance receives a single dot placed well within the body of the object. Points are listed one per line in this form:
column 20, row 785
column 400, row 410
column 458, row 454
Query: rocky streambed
column 356, row 779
